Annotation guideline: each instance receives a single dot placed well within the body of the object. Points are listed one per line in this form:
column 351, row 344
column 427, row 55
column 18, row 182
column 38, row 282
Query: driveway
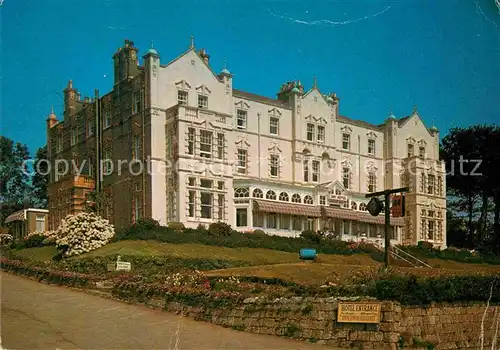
column 40, row 316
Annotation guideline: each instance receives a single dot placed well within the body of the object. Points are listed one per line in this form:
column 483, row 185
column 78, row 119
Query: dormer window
column 410, row 150
column 421, row 152
column 182, row 97
column 274, row 125
column 371, row 147
column 321, row 133
column 241, row 119
column 310, row 132
column 202, row 101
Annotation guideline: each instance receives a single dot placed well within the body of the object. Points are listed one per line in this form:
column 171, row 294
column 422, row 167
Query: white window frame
column 40, row 223
column 321, row 134
column 136, row 147
column 371, row 147
column 410, row 150
column 310, row 132
column 346, row 177
column 315, row 171
column 305, row 168
column 107, row 118
column 206, row 142
column 136, row 102
column 245, row 216
column 191, row 141
column 209, row 204
column 191, row 203
column 182, row 97
column 220, row 145
column 322, row 200
column 241, row 119
column 274, row 163
column 372, row 182
column 346, row 142
column 242, row 161
column 274, row 125
column 202, row 101
column 421, row 151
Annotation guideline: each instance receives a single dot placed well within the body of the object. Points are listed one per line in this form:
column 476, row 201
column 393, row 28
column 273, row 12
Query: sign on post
column 358, row 312
column 123, row 266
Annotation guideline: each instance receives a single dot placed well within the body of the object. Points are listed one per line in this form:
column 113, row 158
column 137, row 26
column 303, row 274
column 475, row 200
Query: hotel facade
column 176, row 142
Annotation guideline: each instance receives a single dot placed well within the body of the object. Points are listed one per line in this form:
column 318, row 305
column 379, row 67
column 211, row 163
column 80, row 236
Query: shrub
column 82, row 233
column 220, row 229
column 147, row 223
column 423, row 245
column 258, row 233
column 176, row 226
column 6, row 239
column 311, row 236
column 34, row 239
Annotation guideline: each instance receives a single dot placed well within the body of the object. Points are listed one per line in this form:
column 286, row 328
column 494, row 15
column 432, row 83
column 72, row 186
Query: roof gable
column 412, row 121
column 315, row 95
column 192, row 55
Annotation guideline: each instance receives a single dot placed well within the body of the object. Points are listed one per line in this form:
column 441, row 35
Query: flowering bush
column 5, row 239
column 39, row 238
column 82, row 233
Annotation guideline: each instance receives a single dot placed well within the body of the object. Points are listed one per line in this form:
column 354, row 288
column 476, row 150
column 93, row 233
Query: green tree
column 40, row 178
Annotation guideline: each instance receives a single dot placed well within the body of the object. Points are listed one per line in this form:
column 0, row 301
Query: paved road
column 40, row 316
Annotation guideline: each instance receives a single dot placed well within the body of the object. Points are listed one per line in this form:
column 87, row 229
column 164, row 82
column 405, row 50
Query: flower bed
column 46, row 274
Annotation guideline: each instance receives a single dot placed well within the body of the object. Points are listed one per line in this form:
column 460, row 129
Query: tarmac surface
column 40, row 316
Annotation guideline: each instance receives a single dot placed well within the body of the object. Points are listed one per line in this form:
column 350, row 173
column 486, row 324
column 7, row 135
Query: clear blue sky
column 443, row 55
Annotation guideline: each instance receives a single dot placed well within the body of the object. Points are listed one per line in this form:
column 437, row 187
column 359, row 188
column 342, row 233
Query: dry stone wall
column 438, row 326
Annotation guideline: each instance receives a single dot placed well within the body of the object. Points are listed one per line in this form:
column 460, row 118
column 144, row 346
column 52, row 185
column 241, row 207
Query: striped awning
column 287, row 208
column 347, row 214
column 17, row 216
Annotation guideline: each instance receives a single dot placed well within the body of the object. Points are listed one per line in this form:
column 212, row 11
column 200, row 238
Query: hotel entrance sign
column 358, row 312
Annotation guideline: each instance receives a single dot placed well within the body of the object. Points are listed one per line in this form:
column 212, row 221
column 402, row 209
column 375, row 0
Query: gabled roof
column 319, row 92
column 187, row 52
column 260, row 98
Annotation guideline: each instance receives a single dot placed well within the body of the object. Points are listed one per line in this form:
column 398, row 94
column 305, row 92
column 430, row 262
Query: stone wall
column 444, row 326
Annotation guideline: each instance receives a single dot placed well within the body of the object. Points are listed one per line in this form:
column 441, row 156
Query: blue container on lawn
column 307, row 254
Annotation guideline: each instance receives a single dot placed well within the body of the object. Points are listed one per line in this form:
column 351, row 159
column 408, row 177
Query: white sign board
column 123, row 266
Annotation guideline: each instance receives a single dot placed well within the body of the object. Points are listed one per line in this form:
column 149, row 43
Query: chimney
column 203, row 54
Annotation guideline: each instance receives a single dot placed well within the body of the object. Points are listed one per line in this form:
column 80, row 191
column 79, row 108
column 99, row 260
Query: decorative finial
column 192, row 42
column 414, row 108
column 315, row 84
column 225, row 64
column 52, row 110
column 391, row 111
column 152, row 44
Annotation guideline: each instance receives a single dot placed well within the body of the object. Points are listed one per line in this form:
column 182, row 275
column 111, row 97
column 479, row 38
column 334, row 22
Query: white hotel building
column 281, row 164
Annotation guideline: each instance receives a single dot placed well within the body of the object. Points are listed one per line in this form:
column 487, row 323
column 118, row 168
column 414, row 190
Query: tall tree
column 40, row 178
column 14, row 177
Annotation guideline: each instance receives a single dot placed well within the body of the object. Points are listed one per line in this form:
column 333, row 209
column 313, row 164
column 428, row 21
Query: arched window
column 241, row 193
column 362, row 207
column 271, row 194
column 354, row 206
column 284, row 197
column 296, row 198
column 308, row 200
column 257, row 193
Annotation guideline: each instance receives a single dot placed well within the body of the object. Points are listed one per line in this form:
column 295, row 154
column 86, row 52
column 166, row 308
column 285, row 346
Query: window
column 322, row 200
column 271, row 194
column 107, row 119
column 241, row 193
column 242, row 161
column 205, row 183
column 321, row 134
column 136, row 147
column 274, row 125
column 220, row 146
column 241, row 119
column 90, row 127
column 182, row 97
column 354, row 206
column 136, row 105
column 271, row 220
column 371, row 147
column 40, row 223
column 283, row 197
column 192, row 181
column 284, row 222
column 192, row 204
column 430, row 184
column 421, row 152
column 308, row 199
column 107, row 162
column 137, row 209
column 220, row 185
column 310, row 132
column 372, row 182
column 315, row 171
column 258, row 219
column 191, row 140
column 296, row 223
column 306, row 170
column 90, row 169
column 439, row 186
column 206, row 205
column 410, row 150
column 362, row 206
column 241, row 217
column 221, row 206
column 202, row 101
column 346, row 142
column 205, row 144
column 274, row 165
column 296, row 198
column 257, row 193
column 346, row 177
column 430, row 232
column 74, row 136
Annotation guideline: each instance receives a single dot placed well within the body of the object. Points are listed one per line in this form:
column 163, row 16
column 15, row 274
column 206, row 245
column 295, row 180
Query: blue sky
column 443, row 56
